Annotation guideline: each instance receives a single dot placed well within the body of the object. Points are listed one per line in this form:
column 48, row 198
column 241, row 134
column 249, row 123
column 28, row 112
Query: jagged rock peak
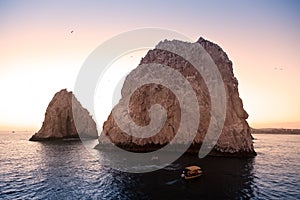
column 60, row 117
column 235, row 139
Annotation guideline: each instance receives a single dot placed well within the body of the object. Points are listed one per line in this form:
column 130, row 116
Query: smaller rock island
column 59, row 120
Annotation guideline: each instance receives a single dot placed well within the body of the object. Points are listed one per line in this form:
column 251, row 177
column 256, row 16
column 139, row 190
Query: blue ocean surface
column 67, row 170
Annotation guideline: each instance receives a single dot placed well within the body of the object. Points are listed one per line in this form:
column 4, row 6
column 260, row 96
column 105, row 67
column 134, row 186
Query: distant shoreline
column 282, row 131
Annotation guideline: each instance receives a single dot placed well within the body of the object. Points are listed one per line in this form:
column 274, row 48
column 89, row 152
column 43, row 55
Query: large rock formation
column 235, row 139
column 59, row 119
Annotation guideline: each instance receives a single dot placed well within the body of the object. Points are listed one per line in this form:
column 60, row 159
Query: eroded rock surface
column 235, row 139
column 59, row 119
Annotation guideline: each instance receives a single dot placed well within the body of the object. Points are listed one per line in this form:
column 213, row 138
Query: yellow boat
column 191, row 172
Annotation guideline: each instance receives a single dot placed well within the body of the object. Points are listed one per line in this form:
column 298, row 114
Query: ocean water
column 66, row 170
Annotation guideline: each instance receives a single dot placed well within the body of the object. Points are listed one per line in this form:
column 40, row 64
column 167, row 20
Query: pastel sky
column 39, row 55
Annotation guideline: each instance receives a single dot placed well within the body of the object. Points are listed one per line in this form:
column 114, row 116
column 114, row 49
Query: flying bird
column 278, row 68
column 72, row 31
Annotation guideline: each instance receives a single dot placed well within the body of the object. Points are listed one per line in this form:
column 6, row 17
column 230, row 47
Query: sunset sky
column 39, row 55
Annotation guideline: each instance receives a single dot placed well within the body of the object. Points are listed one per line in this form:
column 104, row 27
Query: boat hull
column 192, row 177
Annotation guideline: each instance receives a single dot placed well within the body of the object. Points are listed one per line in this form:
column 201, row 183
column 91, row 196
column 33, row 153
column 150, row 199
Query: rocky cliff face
column 59, row 119
column 235, row 139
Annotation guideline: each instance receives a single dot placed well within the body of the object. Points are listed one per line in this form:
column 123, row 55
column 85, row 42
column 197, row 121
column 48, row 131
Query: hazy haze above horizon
column 40, row 55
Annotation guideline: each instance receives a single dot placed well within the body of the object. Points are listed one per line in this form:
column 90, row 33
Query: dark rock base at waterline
column 193, row 149
column 83, row 136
